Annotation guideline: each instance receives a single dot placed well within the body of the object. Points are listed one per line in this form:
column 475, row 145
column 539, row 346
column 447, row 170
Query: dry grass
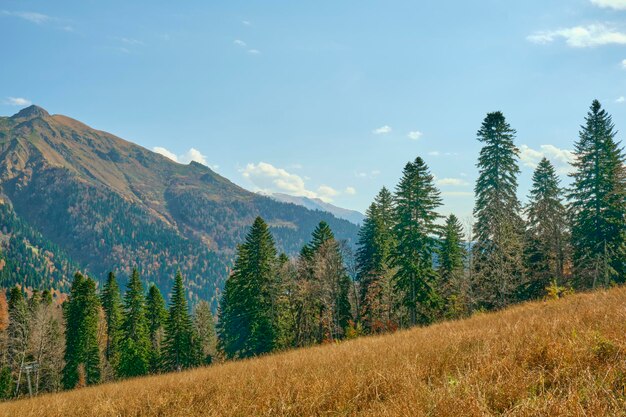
column 562, row 357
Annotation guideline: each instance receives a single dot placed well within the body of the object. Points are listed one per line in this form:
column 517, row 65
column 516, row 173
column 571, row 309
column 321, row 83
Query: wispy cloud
column 383, row 130
column 17, row 101
column 620, row 99
column 130, row 41
column 32, row 17
column 191, row 155
column 561, row 158
column 452, row 182
column 350, row 190
column 246, row 23
column 624, row 63
column 268, row 179
column 414, row 135
column 581, row 36
column 611, row 4
column 239, row 42
column 254, row 51
column 372, row 174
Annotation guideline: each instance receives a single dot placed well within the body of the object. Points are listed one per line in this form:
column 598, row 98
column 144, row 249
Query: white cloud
column 268, row 179
column 130, row 41
column 561, row 158
column 350, row 190
column 239, row 42
column 620, row 99
column 414, row 135
column 246, row 22
column 611, row 4
column 326, row 192
column 581, row 36
column 17, row 101
column 254, row 51
column 454, row 182
column 371, row 174
column 191, row 155
column 383, row 130
column 434, row 153
column 624, row 63
column 33, row 17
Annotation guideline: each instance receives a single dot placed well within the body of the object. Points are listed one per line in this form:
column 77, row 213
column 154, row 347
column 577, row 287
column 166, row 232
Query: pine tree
column 157, row 315
column 375, row 243
column 598, row 203
column 546, row 232
column 247, row 318
column 415, row 231
column 112, row 305
column 81, row 333
column 178, row 349
column 499, row 229
column 135, row 346
column 452, row 254
column 204, row 328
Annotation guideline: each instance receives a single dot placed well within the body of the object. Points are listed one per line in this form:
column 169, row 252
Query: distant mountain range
column 75, row 197
column 352, row 216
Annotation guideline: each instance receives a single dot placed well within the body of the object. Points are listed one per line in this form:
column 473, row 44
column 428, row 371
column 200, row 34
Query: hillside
column 105, row 203
column 564, row 357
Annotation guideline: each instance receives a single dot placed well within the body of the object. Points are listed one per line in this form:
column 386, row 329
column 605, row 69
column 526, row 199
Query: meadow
column 557, row 357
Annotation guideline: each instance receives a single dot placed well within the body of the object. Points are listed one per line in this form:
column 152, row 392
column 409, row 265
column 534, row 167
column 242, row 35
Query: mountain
column 352, row 216
column 75, row 197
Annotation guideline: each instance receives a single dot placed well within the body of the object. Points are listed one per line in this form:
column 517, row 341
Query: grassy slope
column 562, row 357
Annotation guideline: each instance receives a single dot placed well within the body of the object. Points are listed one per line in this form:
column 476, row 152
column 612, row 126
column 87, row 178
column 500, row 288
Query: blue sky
column 326, row 98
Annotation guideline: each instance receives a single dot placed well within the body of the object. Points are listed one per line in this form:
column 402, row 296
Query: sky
column 325, row 99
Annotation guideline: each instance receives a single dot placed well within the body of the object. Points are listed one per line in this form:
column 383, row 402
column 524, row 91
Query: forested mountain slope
column 107, row 204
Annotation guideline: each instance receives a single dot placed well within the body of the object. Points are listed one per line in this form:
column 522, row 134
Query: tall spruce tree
column 499, row 229
column 452, row 253
column 247, row 318
column 178, row 346
column 545, row 254
column 156, row 314
column 82, row 352
column 135, row 346
column 204, row 329
column 375, row 243
column 111, row 300
column 598, row 203
column 415, row 231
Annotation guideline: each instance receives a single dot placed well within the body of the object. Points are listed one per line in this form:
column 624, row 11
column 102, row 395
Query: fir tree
column 499, row 229
column 81, row 333
column 156, row 314
column 375, row 243
column 112, row 305
column 598, row 203
column 204, row 328
column 546, row 232
column 452, row 255
column 178, row 349
column 135, row 346
column 415, row 233
column 248, row 319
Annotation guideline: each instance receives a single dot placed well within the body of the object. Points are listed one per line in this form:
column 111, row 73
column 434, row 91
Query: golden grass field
column 565, row 357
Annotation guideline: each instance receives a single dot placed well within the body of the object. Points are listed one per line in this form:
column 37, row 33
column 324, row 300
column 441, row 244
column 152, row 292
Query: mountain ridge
column 112, row 204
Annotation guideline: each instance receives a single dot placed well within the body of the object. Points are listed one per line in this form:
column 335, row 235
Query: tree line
column 97, row 336
column 413, row 266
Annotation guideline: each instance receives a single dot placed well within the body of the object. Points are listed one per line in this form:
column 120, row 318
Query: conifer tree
column 598, row 203
column 499, row 229
column 81, row 333
column 18, row 330
column 112, row 305
column 204, row 328
column 178, row 349
column 157, row 317
column 415, row 231
column 546, row 233
column 247, row 318
column 135, row 346
column 451, row 270
column 375, row 243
